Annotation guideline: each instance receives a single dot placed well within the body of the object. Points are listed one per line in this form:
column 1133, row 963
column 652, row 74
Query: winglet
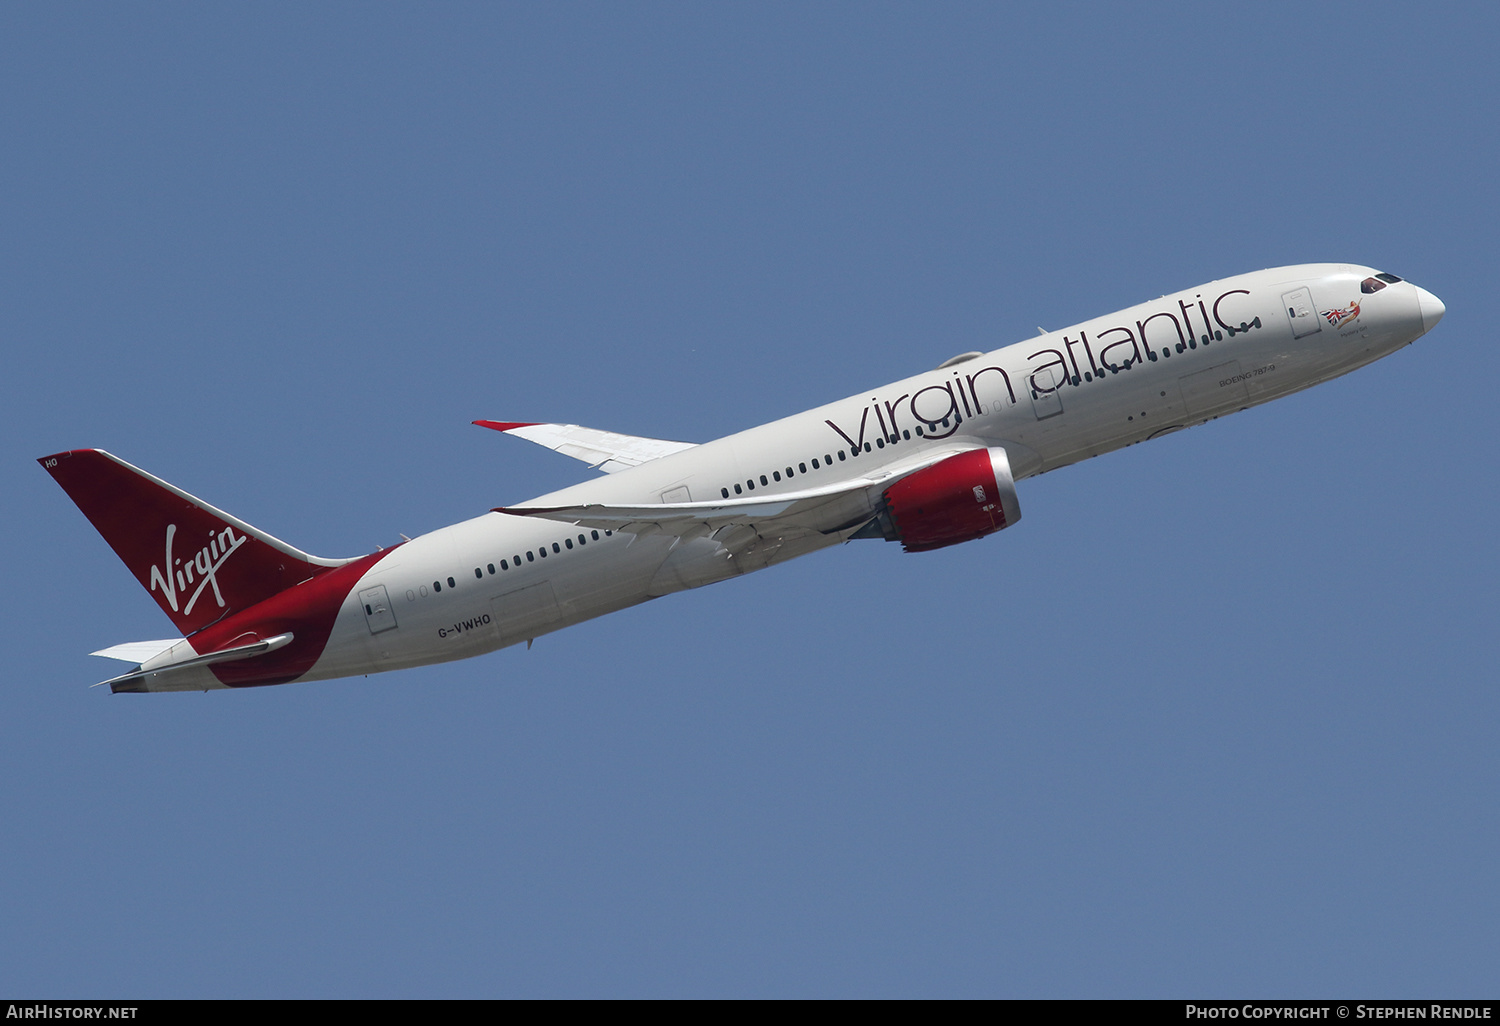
column 504, row 425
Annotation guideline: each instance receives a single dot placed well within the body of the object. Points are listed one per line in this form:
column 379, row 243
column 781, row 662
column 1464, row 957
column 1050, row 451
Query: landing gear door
column 1301, row 312
column 377, row 606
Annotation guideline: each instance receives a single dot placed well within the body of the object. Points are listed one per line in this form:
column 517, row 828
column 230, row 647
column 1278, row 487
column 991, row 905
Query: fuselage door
column 377, row 606
column 1301, row 312
column 1046, row 398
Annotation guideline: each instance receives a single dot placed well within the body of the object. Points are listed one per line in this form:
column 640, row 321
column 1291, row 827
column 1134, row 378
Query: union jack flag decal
column 1338, row 318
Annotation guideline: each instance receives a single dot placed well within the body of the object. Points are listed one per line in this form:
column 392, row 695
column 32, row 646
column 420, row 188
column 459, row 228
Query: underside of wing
column 604, row 450
column 828, row 509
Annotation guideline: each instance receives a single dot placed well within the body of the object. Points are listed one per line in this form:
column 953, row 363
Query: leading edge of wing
column 608, row 451
column 727, row 511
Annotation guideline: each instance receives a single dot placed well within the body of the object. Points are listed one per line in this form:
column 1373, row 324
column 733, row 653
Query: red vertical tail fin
column 198, row 562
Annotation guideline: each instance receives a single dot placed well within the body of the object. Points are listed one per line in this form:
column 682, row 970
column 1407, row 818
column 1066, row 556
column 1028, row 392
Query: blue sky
column 1217, row 718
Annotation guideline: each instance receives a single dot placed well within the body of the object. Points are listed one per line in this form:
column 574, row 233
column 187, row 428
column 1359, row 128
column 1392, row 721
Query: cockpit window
column 1391, row 278
column 1370, row 285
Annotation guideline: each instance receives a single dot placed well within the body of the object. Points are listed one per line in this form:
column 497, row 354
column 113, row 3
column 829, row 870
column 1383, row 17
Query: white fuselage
column 1048, row 401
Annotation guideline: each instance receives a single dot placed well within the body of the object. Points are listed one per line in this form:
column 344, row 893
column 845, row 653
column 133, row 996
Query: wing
column 829, row 509
column 605, row 450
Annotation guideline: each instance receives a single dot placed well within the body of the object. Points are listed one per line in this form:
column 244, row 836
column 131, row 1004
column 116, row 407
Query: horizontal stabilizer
column 604, row 450
column 136, row 651
column 255, row 648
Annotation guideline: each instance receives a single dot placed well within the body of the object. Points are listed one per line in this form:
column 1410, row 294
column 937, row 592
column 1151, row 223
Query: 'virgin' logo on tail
column 203, row 567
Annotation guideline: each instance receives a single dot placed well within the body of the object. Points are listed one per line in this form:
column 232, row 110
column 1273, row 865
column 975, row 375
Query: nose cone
column 1432, row 309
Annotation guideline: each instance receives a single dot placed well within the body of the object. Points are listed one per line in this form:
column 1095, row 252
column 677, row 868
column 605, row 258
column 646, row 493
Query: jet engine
column 964, row 497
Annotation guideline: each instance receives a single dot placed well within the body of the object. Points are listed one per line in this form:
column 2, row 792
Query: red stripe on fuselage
column 308, row 610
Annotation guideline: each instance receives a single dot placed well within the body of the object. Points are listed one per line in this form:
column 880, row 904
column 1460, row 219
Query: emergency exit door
column 377, row 607
column 1046, row 386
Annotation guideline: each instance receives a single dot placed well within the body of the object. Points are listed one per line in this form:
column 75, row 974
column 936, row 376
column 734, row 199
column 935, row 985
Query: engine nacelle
column 962, row 498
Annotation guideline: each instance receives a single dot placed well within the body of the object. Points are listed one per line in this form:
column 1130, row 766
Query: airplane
column 929, row 461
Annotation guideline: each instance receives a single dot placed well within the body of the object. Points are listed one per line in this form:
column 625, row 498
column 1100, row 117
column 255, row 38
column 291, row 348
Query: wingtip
column 504, row 425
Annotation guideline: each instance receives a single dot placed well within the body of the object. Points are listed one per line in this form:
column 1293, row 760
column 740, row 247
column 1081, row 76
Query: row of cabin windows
column 880, row 443
column 531, row 557
column 1166, row 352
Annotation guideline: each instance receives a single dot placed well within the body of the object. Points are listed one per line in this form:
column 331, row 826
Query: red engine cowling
column 962, row 498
